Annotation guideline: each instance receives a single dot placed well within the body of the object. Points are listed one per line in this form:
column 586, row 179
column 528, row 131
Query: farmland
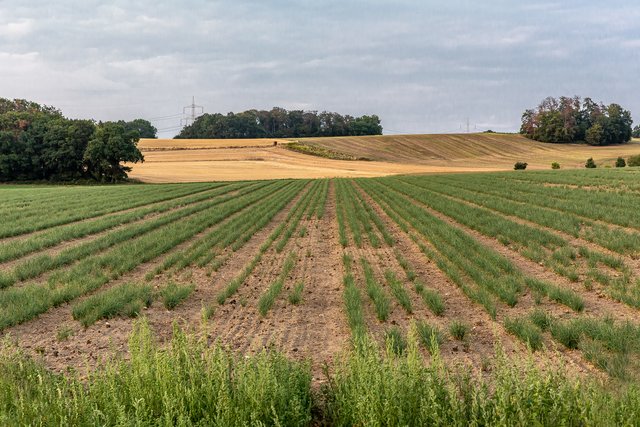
column 224, row 160
column 474, row 270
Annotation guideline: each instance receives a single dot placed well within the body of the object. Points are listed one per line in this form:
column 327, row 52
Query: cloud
column 421, row 65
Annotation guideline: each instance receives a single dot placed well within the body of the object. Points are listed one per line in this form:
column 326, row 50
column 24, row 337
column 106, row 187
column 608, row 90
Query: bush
column 520, row 166
column 634, row 160
column 590, row 163
column 555, row 165
column 620, row 163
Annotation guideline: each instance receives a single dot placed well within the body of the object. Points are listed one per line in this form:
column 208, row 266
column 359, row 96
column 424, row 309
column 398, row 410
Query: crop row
column 479, row 271
column 55, row 235
column 537, row 244
column 80, row 205
column 35, row 266
column 281, row 234
column 18, row 304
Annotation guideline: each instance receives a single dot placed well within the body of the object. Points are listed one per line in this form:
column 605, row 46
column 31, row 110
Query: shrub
column 590, row 163
column 555, row 165
column 520, row 166
column 634, row 160
column 620, row 163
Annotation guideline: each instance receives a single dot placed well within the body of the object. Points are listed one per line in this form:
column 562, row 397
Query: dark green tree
column 590, row 164
column 636, row 131
column 620, row 162
column 280, row 123
column 144, row 128
column 110, row 145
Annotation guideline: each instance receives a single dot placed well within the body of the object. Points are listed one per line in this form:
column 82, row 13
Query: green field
column 492, row 299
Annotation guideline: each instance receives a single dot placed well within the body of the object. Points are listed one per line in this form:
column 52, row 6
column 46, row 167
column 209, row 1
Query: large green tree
column 39, row 143
column 110, row 145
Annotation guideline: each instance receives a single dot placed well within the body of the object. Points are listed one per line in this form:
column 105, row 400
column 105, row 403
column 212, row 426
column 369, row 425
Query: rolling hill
column 181, row 160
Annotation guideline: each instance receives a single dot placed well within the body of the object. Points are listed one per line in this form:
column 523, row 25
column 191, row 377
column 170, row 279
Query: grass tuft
column 173, row 294
column 127, row 299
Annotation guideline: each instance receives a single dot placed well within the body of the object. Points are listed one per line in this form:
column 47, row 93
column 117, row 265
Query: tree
column 590, row 164
column 555, row 165
column 595, row 135
column 144, row 128
column 570, row 120
column 620, row 163
column 636, row 132
column 280, row 123
column 110, row 145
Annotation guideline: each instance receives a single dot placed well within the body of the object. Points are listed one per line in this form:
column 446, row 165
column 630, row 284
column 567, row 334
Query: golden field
column 174, row 160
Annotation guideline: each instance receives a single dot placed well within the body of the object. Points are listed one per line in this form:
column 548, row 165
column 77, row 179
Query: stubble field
column 176, row 160
column 540, row 266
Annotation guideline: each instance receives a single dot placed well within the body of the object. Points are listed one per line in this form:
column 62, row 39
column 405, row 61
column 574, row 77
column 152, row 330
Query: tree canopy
column 280, row 123
column 38, row 143
column 573, row 120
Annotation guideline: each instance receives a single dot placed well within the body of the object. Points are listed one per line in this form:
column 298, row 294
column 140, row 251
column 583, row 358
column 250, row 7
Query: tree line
column 280, row 123
column 573, row 120
column 38, row 143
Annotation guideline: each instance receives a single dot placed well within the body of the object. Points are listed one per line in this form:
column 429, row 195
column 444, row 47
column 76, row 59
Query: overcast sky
column 422, row 66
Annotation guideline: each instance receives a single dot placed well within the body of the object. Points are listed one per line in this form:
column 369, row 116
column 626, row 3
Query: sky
column 421, row 66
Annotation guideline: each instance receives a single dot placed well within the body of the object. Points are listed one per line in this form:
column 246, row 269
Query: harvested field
column 261, row 163
column 476, row 150
column 540, row 266
column 230, row 160
column 148, row 144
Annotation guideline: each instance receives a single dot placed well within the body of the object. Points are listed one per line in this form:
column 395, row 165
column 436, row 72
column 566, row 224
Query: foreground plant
column 188, row 383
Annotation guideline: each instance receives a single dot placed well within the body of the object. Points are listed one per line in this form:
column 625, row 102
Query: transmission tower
column 191, row 117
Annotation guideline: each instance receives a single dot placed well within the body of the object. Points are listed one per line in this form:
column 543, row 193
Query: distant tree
column 595, row 135
column 555, row 165
column 590, row 164
column 365, row 125
column 636, row 132
column 570, row 120
column 520, row 166
column 144, row 128
column 110, row 145
column 634, row 160
column 620, row 163
column 280, row 123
